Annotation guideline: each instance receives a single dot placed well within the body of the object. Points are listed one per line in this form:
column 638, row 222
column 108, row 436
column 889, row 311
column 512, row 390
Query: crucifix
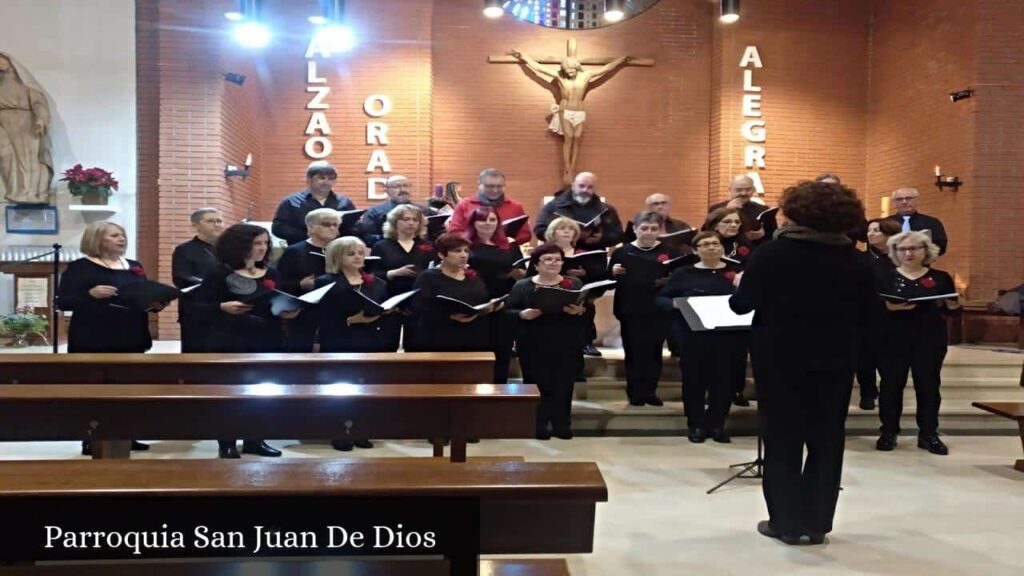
column 572, row 82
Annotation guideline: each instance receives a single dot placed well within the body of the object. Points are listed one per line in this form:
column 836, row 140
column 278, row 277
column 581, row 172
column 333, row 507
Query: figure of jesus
column 569, row 115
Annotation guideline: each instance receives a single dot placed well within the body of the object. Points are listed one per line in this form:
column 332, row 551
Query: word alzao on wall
column 753, row 129
column 318, row 144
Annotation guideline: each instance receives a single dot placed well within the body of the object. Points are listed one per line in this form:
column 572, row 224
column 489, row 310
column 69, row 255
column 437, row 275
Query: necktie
column 906, row 224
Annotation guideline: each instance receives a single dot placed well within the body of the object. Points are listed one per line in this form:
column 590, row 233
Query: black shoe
column 472, row 440
column 543, row 435
column 228, row 453
column 86, row 447
column 365, row 444
column 697, row 435
column 886, row 442
column 563, row 434
column 260, row 448
column 816, row 537
column 867, row 403
column 765, row 529
column 654, row 401
column 932, row 444
column 635, row 402
column 591, row 350
column 740, row 400
column 139, row 446
column 343, row 445
column 721, row 436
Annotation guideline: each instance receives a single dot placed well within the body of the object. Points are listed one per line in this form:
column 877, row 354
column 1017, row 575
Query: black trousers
column 302, row 331
column 923, row 358
column 194, row 336
column 710, row 363
column 801, row 410
column 643, row 337
column 554, row 372
column 867, row 366
column 503, row 329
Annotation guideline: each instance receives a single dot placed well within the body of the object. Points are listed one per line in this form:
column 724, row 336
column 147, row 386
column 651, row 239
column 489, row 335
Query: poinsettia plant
column 95, row 180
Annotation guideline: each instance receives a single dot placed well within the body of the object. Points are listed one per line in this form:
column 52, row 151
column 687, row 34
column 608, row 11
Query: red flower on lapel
column 268, row 283
column 367, row 278
column 470, row 274
column 662, row 257
column 425, row 247
column 565, row 283
column 743, row 250
column 729, row 275
column 927, row 282
column 138, row 271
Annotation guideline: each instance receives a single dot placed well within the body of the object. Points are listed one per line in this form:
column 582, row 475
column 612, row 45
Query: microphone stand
column 54, row 318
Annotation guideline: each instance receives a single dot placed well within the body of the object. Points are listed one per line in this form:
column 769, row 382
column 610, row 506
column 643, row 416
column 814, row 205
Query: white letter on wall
column 379, row 159
column 317, row 47
column 370, row 105
column 311, row 77
column 750, row 56
column 377, row 133
column 748, row 81
column 752, row 105
column 754, row 131
column 754, row 156
column 375, row 188
column 325, row 148
column 318, row 121
column 317, row 103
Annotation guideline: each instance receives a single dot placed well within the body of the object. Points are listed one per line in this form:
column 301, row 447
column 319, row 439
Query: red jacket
column 508, row 209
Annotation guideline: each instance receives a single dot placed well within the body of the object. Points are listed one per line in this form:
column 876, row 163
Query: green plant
column 24, row 322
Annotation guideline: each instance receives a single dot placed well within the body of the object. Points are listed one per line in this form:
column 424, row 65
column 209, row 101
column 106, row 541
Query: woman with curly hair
column 548, row 343
column 238, row 296
column 914, row 338
column 811, row 293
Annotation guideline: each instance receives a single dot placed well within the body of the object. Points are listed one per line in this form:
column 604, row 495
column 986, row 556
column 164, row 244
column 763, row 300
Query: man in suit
column 290, row 218
column 907, row 216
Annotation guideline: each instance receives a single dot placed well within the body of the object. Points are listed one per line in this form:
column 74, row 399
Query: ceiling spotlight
column 493, row 8
column 336, row 38
column 960, row 95
column 330, row 11
column 613, row 10
column 249, row 31
column 730, row 11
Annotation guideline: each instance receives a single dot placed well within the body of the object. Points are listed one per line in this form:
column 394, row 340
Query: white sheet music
column 713, row 312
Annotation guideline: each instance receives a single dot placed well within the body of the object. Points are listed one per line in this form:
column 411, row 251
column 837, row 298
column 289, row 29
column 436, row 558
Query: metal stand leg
column 754, row 469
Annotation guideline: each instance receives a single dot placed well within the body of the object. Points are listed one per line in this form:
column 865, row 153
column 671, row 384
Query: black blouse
column 340, row 303
column 435, row 328
column 255, row 331
column 555, row 331
column 635, row 294
column 102, row 325
column 393, row 256
column 737, row 248
column 692, row 281
column 493, row 264
column 928, row 316
column 299, row 260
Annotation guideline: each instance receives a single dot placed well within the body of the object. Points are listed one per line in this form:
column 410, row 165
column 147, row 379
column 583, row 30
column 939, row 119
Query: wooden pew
column 473, row 508
column 546, row 567
column 111, row 415
column 368, row 368
column 1011, row 410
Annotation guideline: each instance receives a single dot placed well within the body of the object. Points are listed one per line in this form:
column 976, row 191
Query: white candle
column 938, row 172
column 248, row 162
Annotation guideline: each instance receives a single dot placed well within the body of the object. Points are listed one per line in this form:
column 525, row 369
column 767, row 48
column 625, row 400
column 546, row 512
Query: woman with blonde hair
column 565, row 233
column 914, row 338
column 404, row 253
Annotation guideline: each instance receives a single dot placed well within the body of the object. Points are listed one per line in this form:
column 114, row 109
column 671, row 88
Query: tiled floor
column 905, row 512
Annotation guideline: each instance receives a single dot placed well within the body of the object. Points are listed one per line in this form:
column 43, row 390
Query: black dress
column 644, row 326
column 299, row 261
column 548, row 350
column 340, row 303
column 190, row 263
column 913, row 341
column 494, row 264
column 435, row 330
column 867, row 359
column 393, row 256
column 810, row 301
column 710, row 361
column 255, row 331
column 102, row 325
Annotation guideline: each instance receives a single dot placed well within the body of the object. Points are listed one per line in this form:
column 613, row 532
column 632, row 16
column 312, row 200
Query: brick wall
column 920, row 51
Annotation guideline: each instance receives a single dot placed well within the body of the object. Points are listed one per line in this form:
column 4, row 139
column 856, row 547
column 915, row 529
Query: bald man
column 659, row 204
column 582, row 203
column 371, row 224
column 741, row 194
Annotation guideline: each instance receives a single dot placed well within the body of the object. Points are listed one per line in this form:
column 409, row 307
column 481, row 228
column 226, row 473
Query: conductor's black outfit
column 809, row 299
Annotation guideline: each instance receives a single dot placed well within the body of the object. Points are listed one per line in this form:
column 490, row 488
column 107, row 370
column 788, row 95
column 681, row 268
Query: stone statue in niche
column 26, row 169
column 572, row 83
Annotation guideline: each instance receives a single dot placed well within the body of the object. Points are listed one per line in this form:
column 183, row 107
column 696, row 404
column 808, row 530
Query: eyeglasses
column 550, row 260
column 496, row 186
column 217, row 221
column 910, row 248
column 709, row 245
column 905, row 199
column 329, row 224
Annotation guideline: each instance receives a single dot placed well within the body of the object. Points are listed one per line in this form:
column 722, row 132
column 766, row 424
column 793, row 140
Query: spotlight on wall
column 730, row 11
column 333, row 35
column 960, row 95
column 239, row 172
column 493, row 9
column 249, row 30
column 238, row 79
column 613, row 10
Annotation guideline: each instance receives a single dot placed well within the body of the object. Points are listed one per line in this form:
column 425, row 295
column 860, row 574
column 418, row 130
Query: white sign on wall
column 753, row 130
